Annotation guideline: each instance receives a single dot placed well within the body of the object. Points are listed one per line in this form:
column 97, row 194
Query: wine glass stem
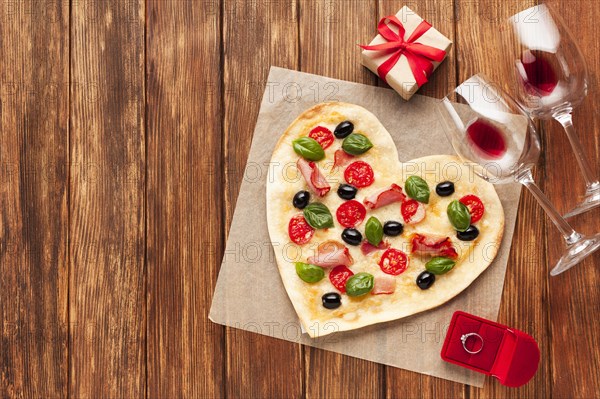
column 570, row 235
column 566, row 120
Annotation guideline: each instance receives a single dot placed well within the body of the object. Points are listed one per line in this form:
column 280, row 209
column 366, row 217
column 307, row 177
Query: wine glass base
column 576, row 253
column 590, row 201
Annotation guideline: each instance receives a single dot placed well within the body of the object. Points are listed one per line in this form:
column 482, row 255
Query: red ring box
column 507, row 354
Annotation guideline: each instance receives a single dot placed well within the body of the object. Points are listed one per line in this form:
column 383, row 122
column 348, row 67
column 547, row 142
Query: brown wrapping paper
column 401, row 77
column 249, row 292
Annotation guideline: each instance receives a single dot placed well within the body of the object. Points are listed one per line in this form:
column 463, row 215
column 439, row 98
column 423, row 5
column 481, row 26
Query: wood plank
column 403, row 383
column 574, row 296
column 329, row 32
column 107, row 277
column 34, row 112
column 331, row 375
column 256, row 35
column 482, row 49
column 184, row 198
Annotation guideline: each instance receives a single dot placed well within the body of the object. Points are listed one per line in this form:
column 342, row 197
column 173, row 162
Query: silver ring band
column 464, row 342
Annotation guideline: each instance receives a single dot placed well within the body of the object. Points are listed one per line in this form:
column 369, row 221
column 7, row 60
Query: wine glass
column 552, row 80
column 495, row 136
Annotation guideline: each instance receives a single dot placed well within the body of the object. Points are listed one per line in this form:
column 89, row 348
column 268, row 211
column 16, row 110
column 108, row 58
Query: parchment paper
column 249, row 292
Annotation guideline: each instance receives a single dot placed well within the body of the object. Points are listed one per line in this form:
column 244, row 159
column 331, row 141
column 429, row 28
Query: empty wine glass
column 552, row 80
column 497, row 139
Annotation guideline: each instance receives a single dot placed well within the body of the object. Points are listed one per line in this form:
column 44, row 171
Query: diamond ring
column 464, row 342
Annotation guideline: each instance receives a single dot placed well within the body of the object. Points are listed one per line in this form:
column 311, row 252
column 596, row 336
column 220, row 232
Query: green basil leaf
column 459, row 215
column 417, row 189
column 309, row 273
column 308, row 148
column 360, row 284
column 374, row 231
column 318, row 216
column 440, row 265
column 356, row 144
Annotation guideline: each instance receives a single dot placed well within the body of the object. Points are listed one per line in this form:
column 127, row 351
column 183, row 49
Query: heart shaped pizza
column 361, row 238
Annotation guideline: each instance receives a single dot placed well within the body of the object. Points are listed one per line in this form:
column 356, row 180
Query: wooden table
column 125, row 131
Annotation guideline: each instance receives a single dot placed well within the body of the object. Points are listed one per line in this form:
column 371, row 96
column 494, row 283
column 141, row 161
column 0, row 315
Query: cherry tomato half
column 351, row 213
column 393, row 261
column 359, row 174
column 475, row 206
column 338, row 277
column 299, row 230
column 322, row 135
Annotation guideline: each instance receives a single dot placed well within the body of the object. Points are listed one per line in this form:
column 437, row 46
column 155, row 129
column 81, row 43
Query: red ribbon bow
column 419, row 56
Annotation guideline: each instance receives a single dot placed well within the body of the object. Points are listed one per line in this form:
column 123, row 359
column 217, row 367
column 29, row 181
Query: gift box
column 405, row 52
column 490, row 348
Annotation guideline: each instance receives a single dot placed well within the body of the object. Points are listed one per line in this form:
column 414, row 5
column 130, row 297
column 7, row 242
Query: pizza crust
column 284, row 181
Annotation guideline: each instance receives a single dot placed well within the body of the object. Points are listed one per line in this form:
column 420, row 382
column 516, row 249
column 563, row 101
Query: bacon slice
column 385, row 197
column 331, row 254
column 434, row 246
column 341, row 158
column 366, row 247
column 315, row 180
column 384, row 285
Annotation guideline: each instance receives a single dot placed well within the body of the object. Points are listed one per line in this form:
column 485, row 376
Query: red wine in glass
column 552, row 80
column 540, row 77
column 486, row 138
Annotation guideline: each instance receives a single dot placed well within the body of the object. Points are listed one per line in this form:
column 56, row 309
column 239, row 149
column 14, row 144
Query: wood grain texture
column 480, row 49
column 34, row 112
column 574, row 301
column 329, row 32
column 256, row 35
column 107, row 240
column 331, row 375
column 184, row 199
